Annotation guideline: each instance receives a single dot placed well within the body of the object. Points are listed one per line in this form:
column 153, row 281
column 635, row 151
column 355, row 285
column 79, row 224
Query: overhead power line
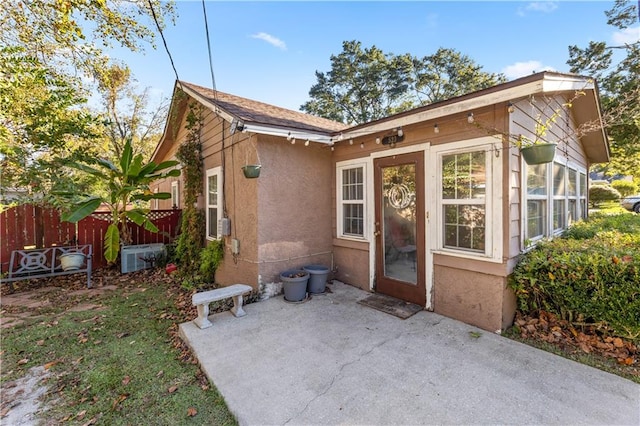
column 164, row 41
column 206, row 28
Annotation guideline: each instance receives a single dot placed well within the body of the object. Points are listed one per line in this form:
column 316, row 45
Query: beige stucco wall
column 294, row 206
column 351, row 260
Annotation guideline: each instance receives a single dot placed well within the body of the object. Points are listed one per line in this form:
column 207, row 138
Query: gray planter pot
column 317, row 279
column 294, row 282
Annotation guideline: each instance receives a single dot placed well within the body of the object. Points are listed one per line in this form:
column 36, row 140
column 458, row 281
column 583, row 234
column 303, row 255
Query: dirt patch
column 21, row 398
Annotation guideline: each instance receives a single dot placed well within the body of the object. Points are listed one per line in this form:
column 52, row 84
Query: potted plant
column 72, row 259
column 294, row 282
column 252, row 171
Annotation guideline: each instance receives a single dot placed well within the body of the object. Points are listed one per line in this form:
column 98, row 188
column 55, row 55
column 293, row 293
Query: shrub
column 588, row 279
column 596, row 223
column 601, row 193
column 210, row 258
column 625, row 187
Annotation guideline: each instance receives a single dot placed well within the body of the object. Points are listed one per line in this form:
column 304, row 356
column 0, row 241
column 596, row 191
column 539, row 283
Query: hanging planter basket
column 539, row 153
column 251, row 171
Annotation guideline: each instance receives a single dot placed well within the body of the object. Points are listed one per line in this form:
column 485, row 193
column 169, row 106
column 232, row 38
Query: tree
column 447, row 74
column 40, row 123
column 365, row 85
column 48, row 45
column 128, row 182
column 127, row 113
column 619, row 85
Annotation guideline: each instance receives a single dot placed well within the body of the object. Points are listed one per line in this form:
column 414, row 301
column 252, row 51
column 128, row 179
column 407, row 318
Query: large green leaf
column 82, row 209
column 150, row 226
column 107, row 164
column 166, row 165
column 125, row 160
column 137, row 216
column 111, row 243
column 136, row 166
column 88, row 169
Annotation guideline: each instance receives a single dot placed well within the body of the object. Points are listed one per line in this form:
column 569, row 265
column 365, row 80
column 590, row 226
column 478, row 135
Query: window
column 572, row 193
column 175, row 194
column 351, row 200
column 536, row 201
column 555, row 198
column 213, row 201
column 464, row 181
column 559, row 198
column 582, row 190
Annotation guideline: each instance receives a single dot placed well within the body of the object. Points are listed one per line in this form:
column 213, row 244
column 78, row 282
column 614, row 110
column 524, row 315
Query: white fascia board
column 467, row 105
column 283, row 132
column 206, row 102
column 562, row 84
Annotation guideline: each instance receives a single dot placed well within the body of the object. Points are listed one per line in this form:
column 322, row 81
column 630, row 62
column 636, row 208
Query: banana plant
column 127, row 182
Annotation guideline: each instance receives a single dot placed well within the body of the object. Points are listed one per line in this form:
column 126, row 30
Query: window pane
column 558, row 180
column 464, row 227
column 353, row 184
column 573, row 212
column 464, row 176
column 213, row 222
column 558, row 214
column 537, row 179
column 213, row 190
column 583, row 208
column 536, row 218
column 572, row 184
column 583, row 185
column 353, row 219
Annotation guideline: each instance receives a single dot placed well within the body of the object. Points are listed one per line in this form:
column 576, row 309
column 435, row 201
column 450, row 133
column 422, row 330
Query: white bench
column 202, row 300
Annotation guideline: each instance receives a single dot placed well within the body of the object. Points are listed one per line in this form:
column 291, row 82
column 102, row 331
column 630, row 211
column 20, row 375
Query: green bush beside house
column 590, row 275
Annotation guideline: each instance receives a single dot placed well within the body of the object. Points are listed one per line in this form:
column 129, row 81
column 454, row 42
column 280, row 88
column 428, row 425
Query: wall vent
column 143, row 256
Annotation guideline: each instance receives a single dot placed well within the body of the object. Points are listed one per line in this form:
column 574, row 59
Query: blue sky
column 269, row 51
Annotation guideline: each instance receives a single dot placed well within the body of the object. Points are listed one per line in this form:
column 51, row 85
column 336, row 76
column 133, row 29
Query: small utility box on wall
column 143, row 256
column 224, row 227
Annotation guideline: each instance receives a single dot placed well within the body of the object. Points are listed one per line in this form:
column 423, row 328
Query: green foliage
column 192, row 225
column 619, row 85
column 127, row 183
column 625, row 187
column 601, row 193
column 625, row 223
column 368, row 84
column 210, row 259
column 590, row 276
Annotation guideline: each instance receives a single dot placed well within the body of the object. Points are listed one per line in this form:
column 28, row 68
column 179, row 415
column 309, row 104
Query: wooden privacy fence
column 31, row 226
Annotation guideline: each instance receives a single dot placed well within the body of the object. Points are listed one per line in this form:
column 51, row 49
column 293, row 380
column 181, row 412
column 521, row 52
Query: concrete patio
column 331, row 360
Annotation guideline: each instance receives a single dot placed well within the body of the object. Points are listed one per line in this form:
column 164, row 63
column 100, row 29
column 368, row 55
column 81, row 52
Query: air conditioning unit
column 143, row 256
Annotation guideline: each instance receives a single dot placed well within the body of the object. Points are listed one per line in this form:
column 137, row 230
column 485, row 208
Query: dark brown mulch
column 573, row 338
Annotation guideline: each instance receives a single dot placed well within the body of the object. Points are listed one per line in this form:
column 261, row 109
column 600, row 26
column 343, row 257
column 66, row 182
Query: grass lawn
column 118, row 363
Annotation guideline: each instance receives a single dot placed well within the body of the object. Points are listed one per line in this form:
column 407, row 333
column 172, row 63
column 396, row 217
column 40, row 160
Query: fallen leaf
column 119, row 399
column 40, row 342
column 172, row 389
column 81, row 414
column 97, row 342
column 126, row 380
column 51, row 364
column 618, row 343
column 160, row 373
column 23, row 361
column 93, row 421
column 191, row 411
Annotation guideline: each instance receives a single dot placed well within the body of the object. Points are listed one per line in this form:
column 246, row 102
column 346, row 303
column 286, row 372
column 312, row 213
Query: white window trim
column 493, row 196
column 156, row 202
column 352, row 164
column 217, row 171
column 175, row 194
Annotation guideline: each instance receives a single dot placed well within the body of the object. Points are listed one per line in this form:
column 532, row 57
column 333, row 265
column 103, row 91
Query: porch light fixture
column 289, row 137
column 361, row 145
column 306, row 143
column 377, row 141
column 400, row 132
column 436, row 129
column 350, row 141
column 511, row 108
column 470, row 117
